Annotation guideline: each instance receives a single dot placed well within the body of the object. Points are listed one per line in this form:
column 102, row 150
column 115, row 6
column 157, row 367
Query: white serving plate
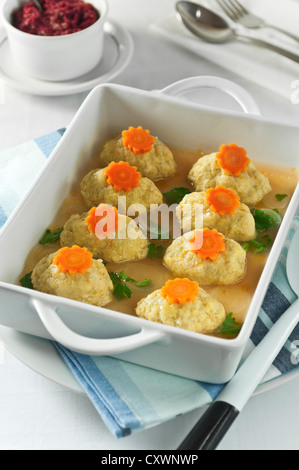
column 93, row 330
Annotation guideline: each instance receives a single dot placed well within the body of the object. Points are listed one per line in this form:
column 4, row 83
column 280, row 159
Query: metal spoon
column 207, row 25
column 38, row 5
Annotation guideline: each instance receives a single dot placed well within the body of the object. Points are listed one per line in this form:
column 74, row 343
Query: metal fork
column 239, row 14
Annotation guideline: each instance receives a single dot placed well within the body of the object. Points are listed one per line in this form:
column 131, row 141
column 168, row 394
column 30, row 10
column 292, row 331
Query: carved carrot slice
column 122, row 176
column 102, row 220
column 207, row 244
column 137, row 139
column 73, row 260
column 180, row 291
column 222, row 200
column 232, row 159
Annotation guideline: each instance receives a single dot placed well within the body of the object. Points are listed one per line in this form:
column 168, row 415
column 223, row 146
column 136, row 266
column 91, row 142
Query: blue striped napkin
column 129, row 397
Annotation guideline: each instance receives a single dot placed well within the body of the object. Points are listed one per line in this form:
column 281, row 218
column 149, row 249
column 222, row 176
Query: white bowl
column 55, row 58
column 88, row 329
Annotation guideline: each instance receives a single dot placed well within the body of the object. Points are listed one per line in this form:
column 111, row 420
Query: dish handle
column 237, row 92
column 86, row 345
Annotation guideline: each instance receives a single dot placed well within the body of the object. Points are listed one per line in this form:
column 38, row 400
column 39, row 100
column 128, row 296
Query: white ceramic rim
column 41, row 356
column 240, row 95
column 231, row 344
column 264, row 280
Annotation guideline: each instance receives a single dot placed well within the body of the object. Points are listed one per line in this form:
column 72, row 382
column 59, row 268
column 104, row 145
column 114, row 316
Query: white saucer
column 118, row 50
column 41, row 356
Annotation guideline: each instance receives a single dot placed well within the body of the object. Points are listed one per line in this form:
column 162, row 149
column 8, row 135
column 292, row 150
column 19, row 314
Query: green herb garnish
column 143, row 283
column 26, row 281
column 280, row 197
column 265, row 218
column 154, row 251
column 175, row 195
column 49, row 236
column 124, row 277
column 230, row 327
column 121, row 290
column 259, row 245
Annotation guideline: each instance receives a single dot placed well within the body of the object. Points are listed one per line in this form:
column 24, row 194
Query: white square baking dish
column 93, row 330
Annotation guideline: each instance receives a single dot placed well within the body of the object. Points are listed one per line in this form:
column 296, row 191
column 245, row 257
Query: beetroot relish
column 58, row 17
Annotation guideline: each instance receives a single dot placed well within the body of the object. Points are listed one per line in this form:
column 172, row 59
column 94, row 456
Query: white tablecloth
column 36, row 413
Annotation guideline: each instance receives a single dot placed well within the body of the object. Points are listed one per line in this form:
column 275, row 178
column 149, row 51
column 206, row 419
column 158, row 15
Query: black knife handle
column 211, row 427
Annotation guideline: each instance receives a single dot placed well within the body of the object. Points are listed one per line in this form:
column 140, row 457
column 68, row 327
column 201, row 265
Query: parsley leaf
column 115, row 278
column 259, row 245
column 124, row 277
column 26, row 281
column 262, row 221
column 154, row 251
column 280, row 197
column 230, row 327
column 175, row 195
column 121, row 289
column 144, row 283
column 49, row 236
column 265, row 218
